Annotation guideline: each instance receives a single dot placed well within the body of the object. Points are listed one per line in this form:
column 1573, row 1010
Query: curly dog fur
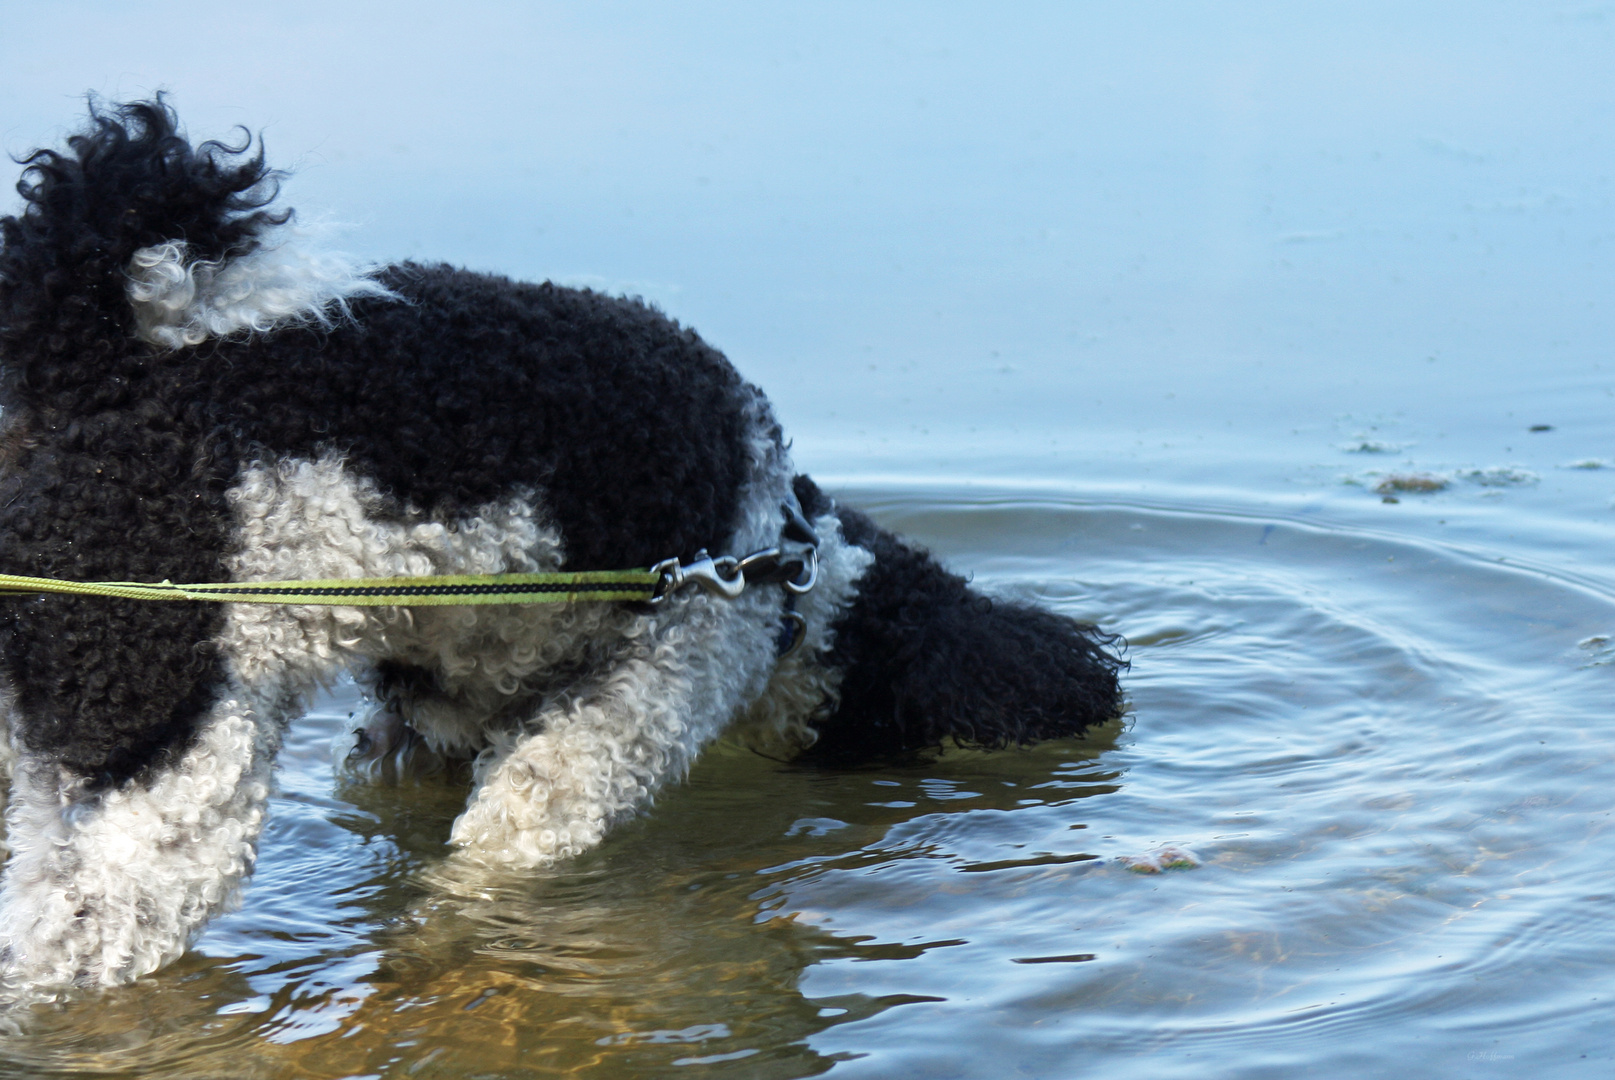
column 191, row 393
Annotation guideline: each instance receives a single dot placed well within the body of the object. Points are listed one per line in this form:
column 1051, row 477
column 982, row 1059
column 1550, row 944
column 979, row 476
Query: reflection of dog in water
column 191, row 394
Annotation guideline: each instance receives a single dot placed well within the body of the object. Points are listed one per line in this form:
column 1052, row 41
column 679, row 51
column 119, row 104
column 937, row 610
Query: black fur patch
column 925, row 658
column 631, row 429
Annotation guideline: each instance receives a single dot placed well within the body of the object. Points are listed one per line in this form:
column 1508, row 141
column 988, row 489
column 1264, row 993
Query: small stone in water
column 1167, row 858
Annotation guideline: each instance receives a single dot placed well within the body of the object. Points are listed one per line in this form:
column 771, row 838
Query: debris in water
column 1602, row 651
column 1362, row 444
column 1413, row 483
column 1500, row 476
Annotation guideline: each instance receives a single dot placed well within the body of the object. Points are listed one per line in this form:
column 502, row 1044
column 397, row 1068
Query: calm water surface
column 1128, row 309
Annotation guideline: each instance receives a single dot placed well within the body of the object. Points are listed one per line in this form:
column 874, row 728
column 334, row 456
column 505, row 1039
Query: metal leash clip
column 726, row 576
column 720, row 576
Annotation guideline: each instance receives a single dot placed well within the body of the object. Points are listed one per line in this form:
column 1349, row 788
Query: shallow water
column 1385, row 762
column 1131, row 309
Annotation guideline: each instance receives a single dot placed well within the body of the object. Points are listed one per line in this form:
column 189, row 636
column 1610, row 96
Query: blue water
column 1133, row 308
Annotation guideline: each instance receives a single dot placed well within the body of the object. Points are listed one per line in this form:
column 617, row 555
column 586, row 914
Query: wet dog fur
column 192, row 393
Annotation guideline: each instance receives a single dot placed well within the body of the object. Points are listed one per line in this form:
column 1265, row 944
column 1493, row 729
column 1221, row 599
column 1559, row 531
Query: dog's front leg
column 103, row 887
column 593, row 757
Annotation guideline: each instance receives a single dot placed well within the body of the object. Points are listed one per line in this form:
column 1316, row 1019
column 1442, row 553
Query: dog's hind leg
column 106, row 885
column 593, row 755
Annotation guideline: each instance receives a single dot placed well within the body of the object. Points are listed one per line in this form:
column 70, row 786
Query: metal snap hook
column 720, row 576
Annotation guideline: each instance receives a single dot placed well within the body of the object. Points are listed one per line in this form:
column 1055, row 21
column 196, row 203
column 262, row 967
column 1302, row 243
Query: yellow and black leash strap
column 435, row 591
column 795, row 568
column 725, row 576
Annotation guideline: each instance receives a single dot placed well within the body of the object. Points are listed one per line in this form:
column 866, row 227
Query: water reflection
column 681, row 942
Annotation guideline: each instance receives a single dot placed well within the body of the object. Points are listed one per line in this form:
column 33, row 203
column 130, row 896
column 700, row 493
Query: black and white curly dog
column 191, row 394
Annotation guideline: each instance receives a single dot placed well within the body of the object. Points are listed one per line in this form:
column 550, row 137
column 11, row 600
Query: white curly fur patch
column 298, row 518
column 180, row 301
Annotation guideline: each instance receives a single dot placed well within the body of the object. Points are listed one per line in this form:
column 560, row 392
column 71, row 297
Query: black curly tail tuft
column 129, row 180
column 925, row 658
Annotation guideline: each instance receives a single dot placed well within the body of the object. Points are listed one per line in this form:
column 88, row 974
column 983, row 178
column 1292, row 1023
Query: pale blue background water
column 979, row 239
column 1178, row 263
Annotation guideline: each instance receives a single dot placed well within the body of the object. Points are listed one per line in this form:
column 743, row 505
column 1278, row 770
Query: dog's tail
column 128, row 182
column 924, row 658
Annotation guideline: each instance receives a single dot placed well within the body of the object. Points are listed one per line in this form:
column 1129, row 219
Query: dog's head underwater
column 191, row 394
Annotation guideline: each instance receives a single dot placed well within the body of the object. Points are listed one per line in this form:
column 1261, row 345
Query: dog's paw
column 533, row 806
column 389, row 750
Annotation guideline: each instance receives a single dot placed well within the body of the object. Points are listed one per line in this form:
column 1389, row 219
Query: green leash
column 435, row 591
column 724, row 576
